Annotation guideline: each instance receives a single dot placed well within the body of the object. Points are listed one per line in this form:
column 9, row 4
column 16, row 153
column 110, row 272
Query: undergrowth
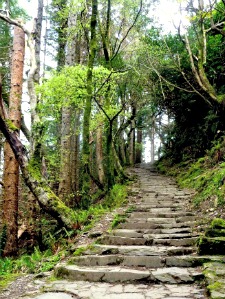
column 37, row 262
column 58, row 241
column 206, row 175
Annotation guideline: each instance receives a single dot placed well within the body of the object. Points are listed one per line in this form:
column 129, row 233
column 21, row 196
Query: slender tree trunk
column 99, row 154
column 132, row 144
column 139, row 146
column 152, row 140
column 32, row 223
column 65, row 166
column 75, row 161
column 11, row 167
column 88, row 106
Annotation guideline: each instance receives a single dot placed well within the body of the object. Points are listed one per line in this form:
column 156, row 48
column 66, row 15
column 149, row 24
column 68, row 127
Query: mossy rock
column 212, row 246
column 218, row 223
column 214, row 273
column 215, row 232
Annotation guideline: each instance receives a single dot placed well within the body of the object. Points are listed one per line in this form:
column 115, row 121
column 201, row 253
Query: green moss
column 5, row 280
column 11, row 125
column 218, row 223
column 216, row 286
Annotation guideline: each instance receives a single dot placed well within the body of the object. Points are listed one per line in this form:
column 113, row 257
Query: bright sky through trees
column 166, row 12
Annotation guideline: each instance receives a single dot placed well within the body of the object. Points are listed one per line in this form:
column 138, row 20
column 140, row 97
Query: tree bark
column 32, row 176
column 138, row 158
column 99, row 154
column 88, row 106
column 11, row 167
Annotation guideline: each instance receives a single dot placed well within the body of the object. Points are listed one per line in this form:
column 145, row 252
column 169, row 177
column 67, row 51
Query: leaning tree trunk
column 11, row 167
column 32, row 176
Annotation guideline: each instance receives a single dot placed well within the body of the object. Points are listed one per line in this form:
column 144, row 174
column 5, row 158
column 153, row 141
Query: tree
column 11, row 167
column 203, row 24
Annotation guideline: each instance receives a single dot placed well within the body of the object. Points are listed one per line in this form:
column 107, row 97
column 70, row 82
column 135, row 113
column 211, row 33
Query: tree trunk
column 75, row 161
column 132, row 143
column 88, row 107
column 152, row 140
column 32, row 176
column 138, row 158
column 65, row 171
column 11, row 167
column 99, row 154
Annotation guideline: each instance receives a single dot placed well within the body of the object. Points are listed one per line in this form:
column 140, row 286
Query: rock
column 212, row 246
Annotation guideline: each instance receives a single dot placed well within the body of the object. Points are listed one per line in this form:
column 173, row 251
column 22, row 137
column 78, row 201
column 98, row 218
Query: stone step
column 158, row 219
column 152, row 225
column 161, row 214
column 138, row 233
column 161, row 210
column 152, row 220
column 148, row 240
column 146, row 206
column 172, row 275
column 139, row 250
column 144, row 261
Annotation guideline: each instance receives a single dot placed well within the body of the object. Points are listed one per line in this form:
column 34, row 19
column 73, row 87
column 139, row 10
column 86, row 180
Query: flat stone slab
column 172, row 275
column 152, row 225
column 139, row 233
column 102, row 274
column 51, row 295
column 140, row 250
column 160, row 214
column 175, row 275
column 149, row 240
column 144, row 261
column 103, row 290
column 128, row 261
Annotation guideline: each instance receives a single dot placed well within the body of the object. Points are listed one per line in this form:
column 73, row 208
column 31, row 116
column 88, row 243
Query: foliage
column 118, row 218
column 206, row 175
column 116, row 197
column 34, row 263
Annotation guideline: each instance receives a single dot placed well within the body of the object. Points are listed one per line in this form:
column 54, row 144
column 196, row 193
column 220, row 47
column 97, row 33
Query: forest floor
column 154, row 251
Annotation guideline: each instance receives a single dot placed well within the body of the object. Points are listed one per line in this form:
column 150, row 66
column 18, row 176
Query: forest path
column 150, row 256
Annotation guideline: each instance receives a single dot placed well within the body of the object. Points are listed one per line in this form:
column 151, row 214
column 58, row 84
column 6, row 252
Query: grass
column 37, row 262
column 59, row 241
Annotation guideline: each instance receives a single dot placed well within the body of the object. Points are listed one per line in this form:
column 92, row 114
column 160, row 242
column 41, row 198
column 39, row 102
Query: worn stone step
column 148, row 240
column 162, row 214
column 162, row 219
column 148, row 206
column 139, row 250
column 144, row 261
column 152, row 225
column 152, row 220
column 138, row 233
column 127, row 261
column 172, row 275
column 157, row 210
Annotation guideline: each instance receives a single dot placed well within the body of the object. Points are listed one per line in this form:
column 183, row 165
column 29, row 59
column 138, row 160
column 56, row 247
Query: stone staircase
column 152, row 255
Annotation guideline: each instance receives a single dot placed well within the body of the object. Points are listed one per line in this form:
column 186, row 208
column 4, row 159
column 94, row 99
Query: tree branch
column 128, row 31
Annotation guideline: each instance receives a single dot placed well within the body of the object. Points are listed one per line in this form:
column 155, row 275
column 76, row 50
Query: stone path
column 150, row 256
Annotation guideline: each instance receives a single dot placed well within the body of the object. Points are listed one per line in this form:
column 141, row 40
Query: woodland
column 118, row 80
